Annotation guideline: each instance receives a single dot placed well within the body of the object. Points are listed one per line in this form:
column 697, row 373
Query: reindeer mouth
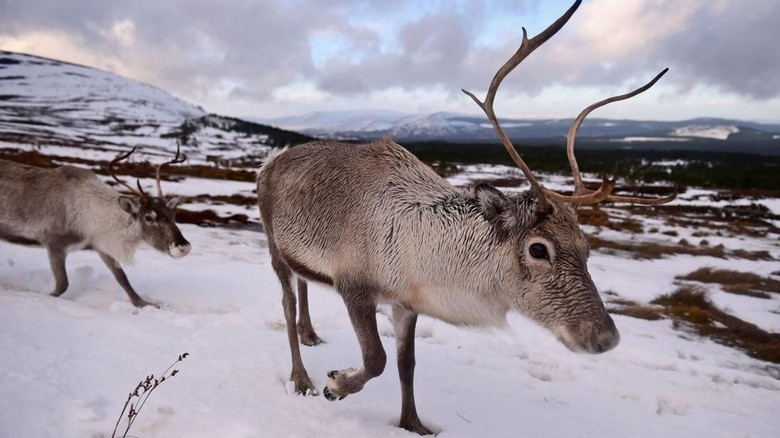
column 588, row 337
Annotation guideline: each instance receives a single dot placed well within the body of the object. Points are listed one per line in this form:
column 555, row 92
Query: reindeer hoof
column 310, row 340
column 141, row 303
column 331, row 396
column 304, row 387
column 327, row 392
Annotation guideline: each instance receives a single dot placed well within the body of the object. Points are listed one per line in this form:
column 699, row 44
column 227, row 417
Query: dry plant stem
column 143, row 390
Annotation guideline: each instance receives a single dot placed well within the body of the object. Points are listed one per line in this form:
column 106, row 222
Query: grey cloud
column 736, row 50
column 432, row 51
column 255, row 46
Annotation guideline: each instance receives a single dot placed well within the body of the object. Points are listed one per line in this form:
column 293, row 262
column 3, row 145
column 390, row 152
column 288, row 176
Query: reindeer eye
column 149, row 218
column 538, row 251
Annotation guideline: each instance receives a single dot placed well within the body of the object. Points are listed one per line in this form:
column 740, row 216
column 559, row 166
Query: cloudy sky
column 269, row 58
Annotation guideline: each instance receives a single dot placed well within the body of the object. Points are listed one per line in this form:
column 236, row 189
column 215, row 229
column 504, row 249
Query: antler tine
column 645, row 201
column 110, row 170
column 579, row 187
column 526, row 48
column 179, row 158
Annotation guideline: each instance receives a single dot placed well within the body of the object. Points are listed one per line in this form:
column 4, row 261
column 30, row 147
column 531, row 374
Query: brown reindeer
column 379, row 226
column 68, row 208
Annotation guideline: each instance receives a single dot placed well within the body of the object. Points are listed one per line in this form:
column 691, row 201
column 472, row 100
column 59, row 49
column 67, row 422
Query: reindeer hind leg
column 306, row 331
column 361, row 306
column 298, row 375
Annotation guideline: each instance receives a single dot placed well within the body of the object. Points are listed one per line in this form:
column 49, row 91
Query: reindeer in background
column 380, row 226
column 67, row 209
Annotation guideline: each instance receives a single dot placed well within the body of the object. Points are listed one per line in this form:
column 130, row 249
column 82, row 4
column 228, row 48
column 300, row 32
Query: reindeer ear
column 173, row 202
column 130, row 204
column 498, row 208
column 492, row 202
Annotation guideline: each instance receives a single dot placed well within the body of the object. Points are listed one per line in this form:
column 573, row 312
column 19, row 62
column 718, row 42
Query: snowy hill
column 455, row 127
column 44, row 101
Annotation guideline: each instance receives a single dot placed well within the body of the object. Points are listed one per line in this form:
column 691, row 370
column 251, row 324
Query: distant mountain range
column 58, row 103
column 706, row 133
column 43, row 101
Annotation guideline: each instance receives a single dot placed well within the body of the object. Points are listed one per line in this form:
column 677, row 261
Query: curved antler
column 581, row 195
column 176, row 160
column 579, row 186
column 526, row 48
column 110, row 170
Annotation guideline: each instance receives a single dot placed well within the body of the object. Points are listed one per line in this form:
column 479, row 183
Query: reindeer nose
column 606, row 341
column 604, row 338
column 179, row 249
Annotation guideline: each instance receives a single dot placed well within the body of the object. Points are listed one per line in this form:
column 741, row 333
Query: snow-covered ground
column 68, row 363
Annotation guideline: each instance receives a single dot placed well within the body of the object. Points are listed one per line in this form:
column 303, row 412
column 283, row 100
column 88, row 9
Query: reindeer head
column 551, row 250
column 154, row 216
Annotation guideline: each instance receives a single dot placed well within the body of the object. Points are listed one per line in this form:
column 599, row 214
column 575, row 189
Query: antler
column 579, row 186
column 581, row 195
column 110, row 170
column 176, row 160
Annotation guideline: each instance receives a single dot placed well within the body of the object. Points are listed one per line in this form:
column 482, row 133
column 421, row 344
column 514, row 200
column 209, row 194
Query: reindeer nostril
column 177, row 250
column 606, row 340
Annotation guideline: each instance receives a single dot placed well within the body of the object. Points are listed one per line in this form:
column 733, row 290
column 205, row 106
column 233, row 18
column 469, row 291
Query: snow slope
column 68, row 363
column 46, row 102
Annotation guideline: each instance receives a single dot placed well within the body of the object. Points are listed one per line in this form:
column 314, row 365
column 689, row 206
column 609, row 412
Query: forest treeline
column 722, row 170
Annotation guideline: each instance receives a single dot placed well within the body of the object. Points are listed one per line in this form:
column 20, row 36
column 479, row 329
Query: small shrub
column 137, row 399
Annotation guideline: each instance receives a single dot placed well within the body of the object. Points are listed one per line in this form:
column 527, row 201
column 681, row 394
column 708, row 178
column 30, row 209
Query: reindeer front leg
column 57, row 262
column 359, row 299
column 404, row 323
column 121, row 278
column 306, row 331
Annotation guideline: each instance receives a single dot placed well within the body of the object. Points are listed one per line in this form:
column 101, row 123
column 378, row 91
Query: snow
column 639, row 139
column 68, row 363
column 717, row 132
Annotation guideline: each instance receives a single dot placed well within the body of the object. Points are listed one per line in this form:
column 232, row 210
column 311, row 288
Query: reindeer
column 68, row 208
column 379, row 226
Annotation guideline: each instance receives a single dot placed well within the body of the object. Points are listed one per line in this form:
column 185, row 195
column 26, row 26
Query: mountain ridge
column 705, row 132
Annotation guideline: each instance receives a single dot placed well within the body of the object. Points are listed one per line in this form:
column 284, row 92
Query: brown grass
column 742, row 283
column 689, row 306
column 209, row 218
column 622, row 306
column 595, row 216
column 653, row 250
column 225, row 199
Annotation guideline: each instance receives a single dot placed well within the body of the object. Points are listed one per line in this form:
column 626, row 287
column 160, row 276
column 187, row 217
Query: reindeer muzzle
column 179, row 249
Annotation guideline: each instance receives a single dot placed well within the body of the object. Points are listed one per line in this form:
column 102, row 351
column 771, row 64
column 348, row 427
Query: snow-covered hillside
column 51, row 102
